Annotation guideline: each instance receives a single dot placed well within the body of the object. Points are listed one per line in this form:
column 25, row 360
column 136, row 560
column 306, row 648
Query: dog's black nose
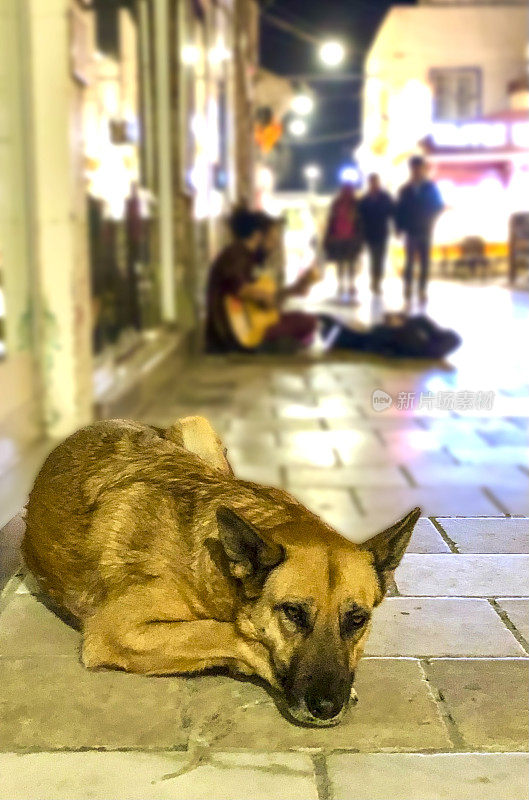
column 321, row 706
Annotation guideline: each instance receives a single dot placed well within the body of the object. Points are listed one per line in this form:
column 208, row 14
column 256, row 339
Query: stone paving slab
column 322, row 456
column 239, row 425
column 487, row 456
column 383, row 424
column 266, row 474
column 336, row 406
column 423, row 626
column 416, row 776
column 250, row 439
column 518, row 612
column 288, row 409
column 55, row 703
column 336, row 507
column 140, row 776
column 343, row 477
column 488, row 700
column 506, row 437
column 10, row 559
column 428, row 440
column 427, row 539
column 471, row 475
column 444, row 501
column 395, row 710
column 466, row 575
column 512, row 501
column 29, row 629
column 365, row 449
column 492, row 535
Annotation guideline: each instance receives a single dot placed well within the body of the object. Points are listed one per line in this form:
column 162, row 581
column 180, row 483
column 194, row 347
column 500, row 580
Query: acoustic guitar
column 250, row 320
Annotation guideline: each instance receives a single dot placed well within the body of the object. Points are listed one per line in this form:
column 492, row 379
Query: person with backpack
column 343, row 239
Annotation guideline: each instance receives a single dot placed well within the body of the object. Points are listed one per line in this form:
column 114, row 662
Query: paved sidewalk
column 444, row 686
column 443, row 689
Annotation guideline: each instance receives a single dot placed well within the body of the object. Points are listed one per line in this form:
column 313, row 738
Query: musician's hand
column 303, row 289
column 305, row 281
column 257, row 295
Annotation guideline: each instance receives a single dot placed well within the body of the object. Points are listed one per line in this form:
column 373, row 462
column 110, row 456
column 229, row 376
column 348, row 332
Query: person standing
column 343, row 238
column 418, row 206
column 377, row 209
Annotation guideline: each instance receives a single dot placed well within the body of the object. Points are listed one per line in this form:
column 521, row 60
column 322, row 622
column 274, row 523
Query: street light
column 302, row 104
column 297, row 127
column 332, row 53
column 190, row 55
column 350, row 174
column 312, row 174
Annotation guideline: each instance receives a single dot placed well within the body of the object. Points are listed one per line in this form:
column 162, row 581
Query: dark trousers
column 417, row 248
column 294, row 326
column 377, row 258
column 418, row 337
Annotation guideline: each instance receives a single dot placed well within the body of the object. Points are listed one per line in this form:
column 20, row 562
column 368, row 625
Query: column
column 57, row 212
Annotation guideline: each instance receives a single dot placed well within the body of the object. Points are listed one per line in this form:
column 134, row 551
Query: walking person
column 377, row 209
column 418, row 206
column 343, row 238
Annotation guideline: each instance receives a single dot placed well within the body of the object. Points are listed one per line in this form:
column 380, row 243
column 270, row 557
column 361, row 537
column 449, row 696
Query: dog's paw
column 241, row 670
column 95, row 655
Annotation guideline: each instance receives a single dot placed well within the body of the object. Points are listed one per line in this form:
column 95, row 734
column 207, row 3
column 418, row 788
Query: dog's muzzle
column 322, row 709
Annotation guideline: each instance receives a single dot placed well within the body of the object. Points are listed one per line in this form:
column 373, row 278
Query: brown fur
column 172, row 565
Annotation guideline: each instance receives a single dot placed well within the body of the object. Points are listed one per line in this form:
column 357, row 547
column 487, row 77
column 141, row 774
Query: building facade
column 447, row 66
column 120, row 155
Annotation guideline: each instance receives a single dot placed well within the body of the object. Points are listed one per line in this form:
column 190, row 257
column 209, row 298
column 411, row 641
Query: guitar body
column 250, row 321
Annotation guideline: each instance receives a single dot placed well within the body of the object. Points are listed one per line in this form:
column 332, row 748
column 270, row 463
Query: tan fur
column 124, row 533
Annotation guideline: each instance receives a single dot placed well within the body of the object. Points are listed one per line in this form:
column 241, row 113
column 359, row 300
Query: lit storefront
column 482, row 170
column 120, row 209
column 160, row 167
column 123, row 146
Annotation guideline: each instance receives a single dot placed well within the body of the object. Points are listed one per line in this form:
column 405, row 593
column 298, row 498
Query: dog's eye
column 296, row 614
column 352, row 621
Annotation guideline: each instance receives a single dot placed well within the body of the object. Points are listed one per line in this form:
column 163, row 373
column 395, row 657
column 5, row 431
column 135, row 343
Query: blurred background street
column 129, row 131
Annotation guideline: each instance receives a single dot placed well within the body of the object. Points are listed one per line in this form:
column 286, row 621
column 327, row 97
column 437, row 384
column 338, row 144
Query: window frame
column 477, row 71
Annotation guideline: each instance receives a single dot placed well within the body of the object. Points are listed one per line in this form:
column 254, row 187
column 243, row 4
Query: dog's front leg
column 120, row 635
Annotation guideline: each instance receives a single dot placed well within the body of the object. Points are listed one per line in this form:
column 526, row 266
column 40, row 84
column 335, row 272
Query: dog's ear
column 389, row 546
column 250, row 556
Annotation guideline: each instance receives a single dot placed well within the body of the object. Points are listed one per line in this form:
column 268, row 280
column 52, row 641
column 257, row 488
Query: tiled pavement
column 443, row 687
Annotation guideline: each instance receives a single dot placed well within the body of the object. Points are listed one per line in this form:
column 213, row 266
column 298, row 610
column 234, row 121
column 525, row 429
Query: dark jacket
column 231, row 270
column 418, row 207
column 376, row 210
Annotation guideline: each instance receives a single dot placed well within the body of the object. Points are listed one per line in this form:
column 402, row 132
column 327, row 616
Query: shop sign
column 489, row 135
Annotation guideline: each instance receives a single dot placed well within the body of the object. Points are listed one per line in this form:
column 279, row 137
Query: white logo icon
column 381, row 400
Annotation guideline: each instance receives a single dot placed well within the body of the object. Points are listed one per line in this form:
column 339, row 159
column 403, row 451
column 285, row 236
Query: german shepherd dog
column 170, row 564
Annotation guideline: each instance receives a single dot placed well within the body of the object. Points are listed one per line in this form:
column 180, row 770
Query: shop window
column 456, row 94
column 107, row 24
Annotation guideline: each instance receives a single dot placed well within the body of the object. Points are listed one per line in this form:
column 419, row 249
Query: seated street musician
column 243, row 308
